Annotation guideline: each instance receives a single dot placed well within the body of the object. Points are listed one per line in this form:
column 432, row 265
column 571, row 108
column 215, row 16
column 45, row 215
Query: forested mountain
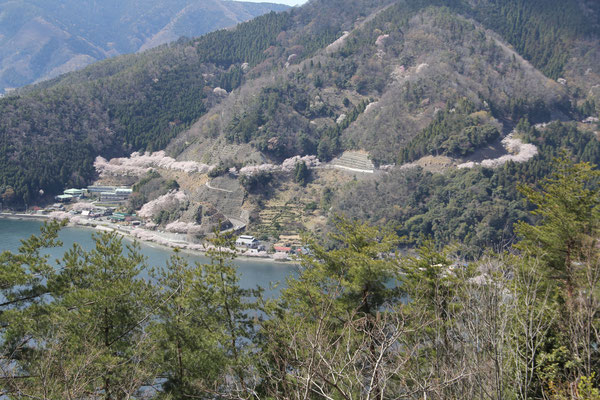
column 43, row 39
column 438, row 159
column 358, row 321
column 401, row 80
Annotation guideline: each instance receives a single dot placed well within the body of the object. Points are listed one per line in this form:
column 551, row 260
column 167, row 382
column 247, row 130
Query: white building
column 247, row 241
column 117, row 195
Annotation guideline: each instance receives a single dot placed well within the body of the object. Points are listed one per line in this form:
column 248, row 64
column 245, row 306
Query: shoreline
column 98, row 227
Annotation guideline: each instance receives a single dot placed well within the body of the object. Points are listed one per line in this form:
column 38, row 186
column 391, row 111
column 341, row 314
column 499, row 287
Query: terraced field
column 279, row 217
column 354, row 161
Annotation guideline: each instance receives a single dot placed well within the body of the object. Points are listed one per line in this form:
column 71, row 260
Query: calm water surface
column 252, row 272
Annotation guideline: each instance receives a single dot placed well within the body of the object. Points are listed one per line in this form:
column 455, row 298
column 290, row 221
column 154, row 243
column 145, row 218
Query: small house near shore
column 282, row 249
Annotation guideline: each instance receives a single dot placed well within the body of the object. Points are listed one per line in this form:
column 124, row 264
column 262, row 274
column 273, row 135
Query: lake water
column 252, row 272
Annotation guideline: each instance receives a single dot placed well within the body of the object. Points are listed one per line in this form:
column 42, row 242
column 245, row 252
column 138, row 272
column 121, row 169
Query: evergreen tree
column 326, row 333
column 87, row 338
column 204, row 330
column 568, row 207
column 565, row 240
column 301, row 173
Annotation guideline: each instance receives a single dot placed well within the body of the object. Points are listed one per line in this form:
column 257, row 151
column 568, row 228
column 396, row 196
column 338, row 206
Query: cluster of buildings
column 106, row 194
column 288, row 244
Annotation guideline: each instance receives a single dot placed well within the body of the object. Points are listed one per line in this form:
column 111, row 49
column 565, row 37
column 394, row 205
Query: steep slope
column 330, row 76
column 41, row 40
column 51, row 133
column 376, row 88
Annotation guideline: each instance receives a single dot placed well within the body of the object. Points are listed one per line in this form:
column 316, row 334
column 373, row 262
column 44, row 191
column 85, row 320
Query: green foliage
column 158, row 109
column 276, row 122
column 330, row 138
column 431, row 283
column 204, row 330
column 92, row 315
column 67, row 125
column 171, row 185
column 246, row 43
column 359, row 263
column 332, row 306
column 476, row 207
column 586, row 388
column 455, row 132
column 568, row 207
column 359, row 321
column 312, row 206
column 219, row 170
column 542, row 31
column 149, row 188
column 559, row 136
column 326, row 198
column 143, row 101
column 24, row 277
column 301, row 173
column 257, row 183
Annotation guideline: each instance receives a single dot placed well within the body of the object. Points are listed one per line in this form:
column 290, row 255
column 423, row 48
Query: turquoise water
column 252, row 272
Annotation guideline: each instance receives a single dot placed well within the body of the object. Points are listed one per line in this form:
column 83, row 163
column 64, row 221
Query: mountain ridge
column 422, row 82
column 39, row 41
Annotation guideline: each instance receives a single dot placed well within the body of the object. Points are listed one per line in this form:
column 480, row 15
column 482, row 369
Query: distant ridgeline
column 50, row 133
column 41, row 40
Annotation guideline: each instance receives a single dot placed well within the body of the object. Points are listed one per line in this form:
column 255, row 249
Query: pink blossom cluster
column 381, row 40
column 183, row 227
column 79, row 220
column 520, row 152
column 148, row 236
column 387, row 167
column 165, row 202
column 211, row 247
column 280, row 256
column 257, row 169
column 370, row 106
column 59, row 215
column 115, row 167
column 81, row 206
column 338, row 42
column 287, row 165
column 255, row 253
column 310, row 161
column 422, row 67
column 220, row 91
column 141, row 163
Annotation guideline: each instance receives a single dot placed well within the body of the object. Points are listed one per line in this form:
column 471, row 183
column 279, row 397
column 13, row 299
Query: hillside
column 428, row 168
column 434, row 85
column 41, row 40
